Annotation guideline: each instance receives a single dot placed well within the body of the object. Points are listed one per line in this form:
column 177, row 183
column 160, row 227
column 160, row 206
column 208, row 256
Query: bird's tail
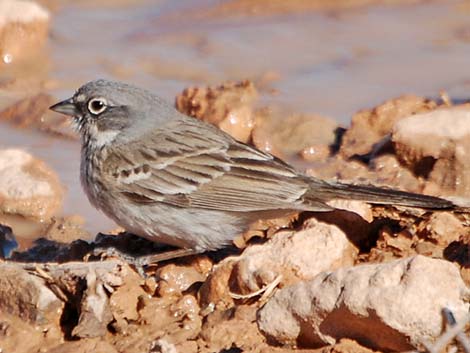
column 325, row 191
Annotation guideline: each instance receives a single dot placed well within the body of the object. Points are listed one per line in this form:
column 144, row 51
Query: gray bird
column 177, row 180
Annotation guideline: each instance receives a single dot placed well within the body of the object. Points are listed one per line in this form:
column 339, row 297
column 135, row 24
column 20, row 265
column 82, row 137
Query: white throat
column 101, row 138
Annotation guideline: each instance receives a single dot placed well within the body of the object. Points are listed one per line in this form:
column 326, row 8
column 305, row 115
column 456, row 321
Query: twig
column 266, row 290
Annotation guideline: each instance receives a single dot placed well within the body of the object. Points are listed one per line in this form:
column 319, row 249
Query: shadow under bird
column 177, row 180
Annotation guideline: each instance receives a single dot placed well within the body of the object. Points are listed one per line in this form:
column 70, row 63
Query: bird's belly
column 183, row 227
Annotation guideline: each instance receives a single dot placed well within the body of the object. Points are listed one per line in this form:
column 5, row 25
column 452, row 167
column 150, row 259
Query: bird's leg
column 142, row 261
column 146, row 260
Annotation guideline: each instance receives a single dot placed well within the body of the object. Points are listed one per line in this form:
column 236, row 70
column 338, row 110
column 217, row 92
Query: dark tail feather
column 325, row 191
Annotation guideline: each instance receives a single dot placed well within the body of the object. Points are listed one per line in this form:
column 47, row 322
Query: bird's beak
column 66, row 107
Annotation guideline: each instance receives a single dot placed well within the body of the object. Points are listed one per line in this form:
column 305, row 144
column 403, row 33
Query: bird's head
column 103, row 110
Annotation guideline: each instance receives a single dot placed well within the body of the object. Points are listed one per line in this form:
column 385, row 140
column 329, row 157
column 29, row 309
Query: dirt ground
column 67, row 295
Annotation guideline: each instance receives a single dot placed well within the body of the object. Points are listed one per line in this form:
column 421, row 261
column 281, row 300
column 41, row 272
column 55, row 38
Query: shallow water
column 333, row 62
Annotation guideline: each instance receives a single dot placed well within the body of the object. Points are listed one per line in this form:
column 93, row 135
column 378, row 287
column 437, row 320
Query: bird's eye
column 97, row 105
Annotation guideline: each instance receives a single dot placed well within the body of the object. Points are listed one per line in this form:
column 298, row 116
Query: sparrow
column 177, row 180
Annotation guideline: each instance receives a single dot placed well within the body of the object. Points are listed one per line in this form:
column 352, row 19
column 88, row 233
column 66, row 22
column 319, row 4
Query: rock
column 23, row 30
column 20, row 336
column 346, row 346
column 442, row 228
column 215, row 292
column 436, row 145
column 353, row 218
column 381, row 305
column 33, row 112
column 293, row 255
column 286, row 135
column 387, row 170
column 358, row 207
column 369, row 127
column 95, row 312
column 175, row 279
column 124, row 301
column 223, row 330
column 228, row 106
column 459, row 251
column 343, row 346
column 171, row 319
column 27, row 186
column 392, row 245
column 84, row 346
column 337, row 168
column 27, row 296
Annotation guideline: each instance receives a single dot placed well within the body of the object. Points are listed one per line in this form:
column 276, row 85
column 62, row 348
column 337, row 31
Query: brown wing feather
column 208, row 170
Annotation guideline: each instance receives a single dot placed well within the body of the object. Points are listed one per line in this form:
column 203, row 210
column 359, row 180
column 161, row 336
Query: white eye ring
column 97, row 105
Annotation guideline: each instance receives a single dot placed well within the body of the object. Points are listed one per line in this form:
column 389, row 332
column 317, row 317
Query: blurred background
column 329, row 58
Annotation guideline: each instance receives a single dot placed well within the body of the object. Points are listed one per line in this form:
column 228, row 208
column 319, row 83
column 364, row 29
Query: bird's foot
column 140, row 262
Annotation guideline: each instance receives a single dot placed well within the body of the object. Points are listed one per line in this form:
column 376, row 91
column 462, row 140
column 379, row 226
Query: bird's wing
column 190, row 166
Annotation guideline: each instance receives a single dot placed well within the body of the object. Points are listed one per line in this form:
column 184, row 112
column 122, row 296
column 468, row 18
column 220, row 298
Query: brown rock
column 265, row 228
column 286, row 135
column 175, row 279
column 124, row 301
column 84, row 346
column 215, row 291
column 442, row 228
column 361, row 301
column 95, row 313
column 33, row 112
column 20, row 336
column 354, row 219
column 436, row 145
column 397, row 245
column 343, row 346
column 236, row 327
column 27, row 296
column 23, row 30
column 162, row 318
column 459, row 251
column 358, row 207
column 388, row 171
column 337, row 168
column 229, row 106
column 369, row 127
column 347, row 346
column 27, row 186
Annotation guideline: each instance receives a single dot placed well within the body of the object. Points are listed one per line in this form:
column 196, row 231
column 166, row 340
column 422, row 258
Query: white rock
column 23, row 31
column 21, row 11
column 26, row 296
column 391, row 306
column 27, row 186
column 360, row 208
column 296, row 255
column 437, row 144
column 431, row 132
